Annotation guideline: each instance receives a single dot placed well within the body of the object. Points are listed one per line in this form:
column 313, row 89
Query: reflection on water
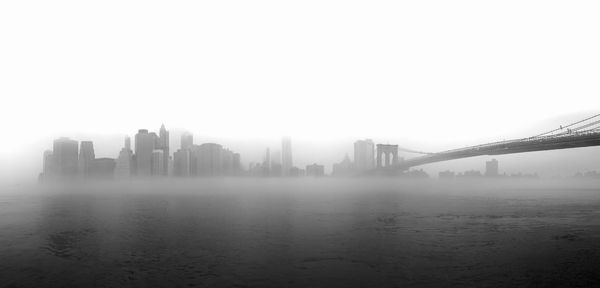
column 274, row 233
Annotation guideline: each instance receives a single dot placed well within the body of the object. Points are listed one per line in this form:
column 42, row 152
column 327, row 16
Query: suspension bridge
column 583, row 133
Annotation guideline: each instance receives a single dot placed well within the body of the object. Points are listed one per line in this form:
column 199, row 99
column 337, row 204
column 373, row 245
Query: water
column 302, row 233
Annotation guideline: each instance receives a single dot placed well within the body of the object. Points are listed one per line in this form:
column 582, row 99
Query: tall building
column 267, row 163
column 228, row 167
column 237, row 165
column 209, row 159
column 182, row 163
column 158, row 164
column 491, row 168
column 344, row 168
column 276, row 164
column 124, row 169
column 315, row 170
column 86, row 156
column 163, row 144
column 102, row 168
column 187, row 140
column 144, row 146
column 364, row 155
column 286, row 156
column 65, row 157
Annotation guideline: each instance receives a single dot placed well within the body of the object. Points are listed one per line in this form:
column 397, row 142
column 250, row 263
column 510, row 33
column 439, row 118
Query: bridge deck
column 575, row 140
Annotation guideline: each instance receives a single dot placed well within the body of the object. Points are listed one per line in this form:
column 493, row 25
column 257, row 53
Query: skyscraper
column 364, row 155
column 209, row 159
column 158, row 165
column 65, row 157
column 237, row 166
column 124, row 167
column 144, row 146
column 491, row 168
column 267, row 163
column 286, row 156
column 163, row 144
column 86, row 156
column 182, row 166
column 227, row 156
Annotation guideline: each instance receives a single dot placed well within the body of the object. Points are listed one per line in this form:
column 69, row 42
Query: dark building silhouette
column 65, row 157
column 48, row 164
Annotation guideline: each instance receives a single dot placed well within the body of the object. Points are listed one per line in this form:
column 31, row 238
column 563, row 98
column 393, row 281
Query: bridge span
column 583, row 133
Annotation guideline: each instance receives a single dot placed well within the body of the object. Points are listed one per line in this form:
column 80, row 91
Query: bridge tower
column 390, row 152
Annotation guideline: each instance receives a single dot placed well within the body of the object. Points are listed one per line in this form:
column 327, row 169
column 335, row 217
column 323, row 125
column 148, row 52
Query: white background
column 428, row 74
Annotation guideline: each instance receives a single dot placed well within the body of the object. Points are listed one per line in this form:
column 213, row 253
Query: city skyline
column 151, row 157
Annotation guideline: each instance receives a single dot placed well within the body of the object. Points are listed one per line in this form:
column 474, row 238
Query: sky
column 432, row 75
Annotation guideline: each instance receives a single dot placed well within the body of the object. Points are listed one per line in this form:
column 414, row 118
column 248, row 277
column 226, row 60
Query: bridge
column 583, row 133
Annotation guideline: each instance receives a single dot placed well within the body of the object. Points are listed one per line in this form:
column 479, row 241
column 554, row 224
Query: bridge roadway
column 565, row 141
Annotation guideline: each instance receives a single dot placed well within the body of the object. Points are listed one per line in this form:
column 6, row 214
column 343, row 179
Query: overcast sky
column 430, row 73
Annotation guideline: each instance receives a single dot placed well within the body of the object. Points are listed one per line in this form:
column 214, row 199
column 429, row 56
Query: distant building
column 364, row 155
column 344, row 168
column 267, row 163
column 315, row 170
column 491, row 168
column 237, row 165
column 187, row 140
column 420, row 173
column 158, row 163
column 65, row 157
column 471, row 174
column 102, row 168
column 228, row 165
column 182, row 163
column 163, row 144
column 124, row 164
column 446, row 174
column 296, row 172
column 209, row 159
column 86, row 156
column 144, row 146
column 276, row 169
column 286, row 156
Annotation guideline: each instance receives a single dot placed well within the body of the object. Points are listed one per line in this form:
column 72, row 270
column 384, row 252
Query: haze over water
column 379, row 232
